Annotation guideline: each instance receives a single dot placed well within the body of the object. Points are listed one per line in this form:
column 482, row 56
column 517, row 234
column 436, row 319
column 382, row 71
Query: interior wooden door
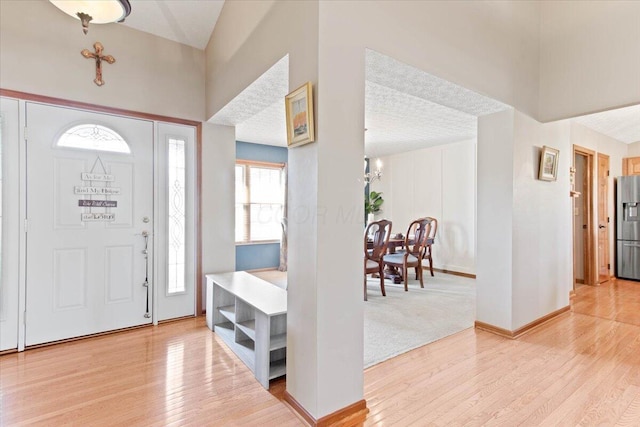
column 603, row 218
column 587, row 178
column 580, row 221
column 631, row 166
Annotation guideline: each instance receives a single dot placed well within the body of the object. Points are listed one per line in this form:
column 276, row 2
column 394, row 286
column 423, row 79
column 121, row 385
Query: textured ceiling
column 403, row 78
column 622, row 124
column 258, row 111
column 405, row 108
column 189, row 22
column 396, row 122
column 268, row 126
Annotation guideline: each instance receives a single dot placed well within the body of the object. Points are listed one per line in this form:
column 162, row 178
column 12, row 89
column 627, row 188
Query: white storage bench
column 250, row 315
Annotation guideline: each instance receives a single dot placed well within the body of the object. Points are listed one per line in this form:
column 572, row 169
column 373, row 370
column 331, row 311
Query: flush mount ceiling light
column 95, row 11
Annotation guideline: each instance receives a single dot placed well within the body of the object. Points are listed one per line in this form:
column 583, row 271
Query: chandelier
column 95, row 11
column 371, row 176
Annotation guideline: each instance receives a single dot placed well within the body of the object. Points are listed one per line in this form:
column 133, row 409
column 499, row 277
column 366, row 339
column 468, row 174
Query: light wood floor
column 617, row 300
column 580, row 368
column 176, row 374
column 575, row 369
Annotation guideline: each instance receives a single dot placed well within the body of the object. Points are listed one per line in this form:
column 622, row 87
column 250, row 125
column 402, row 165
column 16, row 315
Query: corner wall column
column 325, row 307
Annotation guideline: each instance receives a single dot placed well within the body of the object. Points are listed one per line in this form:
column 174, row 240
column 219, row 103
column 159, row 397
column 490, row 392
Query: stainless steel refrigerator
column 628, row 227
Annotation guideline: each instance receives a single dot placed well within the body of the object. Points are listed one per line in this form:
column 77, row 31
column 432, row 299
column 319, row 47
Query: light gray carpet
column 278, row 278
column 402, row 321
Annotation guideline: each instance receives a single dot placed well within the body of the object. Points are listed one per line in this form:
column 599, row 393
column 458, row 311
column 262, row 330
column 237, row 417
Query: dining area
column 404, row 307
column 391, row 256
column 418, row 247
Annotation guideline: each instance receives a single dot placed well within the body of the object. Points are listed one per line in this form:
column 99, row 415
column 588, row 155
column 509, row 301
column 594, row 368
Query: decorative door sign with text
column 97, row 203
column 87, row 176
column 98, row 216
column 95, row 190
column 91, row 190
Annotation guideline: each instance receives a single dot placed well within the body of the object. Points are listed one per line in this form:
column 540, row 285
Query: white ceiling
column 622, row 124
column 258, row 111
column 188, row 22
column 405, row 108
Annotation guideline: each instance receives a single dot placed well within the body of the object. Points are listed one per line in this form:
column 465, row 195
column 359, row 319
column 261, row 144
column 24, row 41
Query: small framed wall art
column 299, row 108
column 548, row 164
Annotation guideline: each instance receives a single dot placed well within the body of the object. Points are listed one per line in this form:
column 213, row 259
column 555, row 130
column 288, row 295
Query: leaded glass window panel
column 176, row 222
column 94, row 137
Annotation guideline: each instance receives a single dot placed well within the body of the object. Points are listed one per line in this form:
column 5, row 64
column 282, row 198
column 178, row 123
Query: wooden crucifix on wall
column 99, row 57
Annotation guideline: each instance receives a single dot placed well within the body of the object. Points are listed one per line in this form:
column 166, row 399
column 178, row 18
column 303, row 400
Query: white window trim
column 247, row 165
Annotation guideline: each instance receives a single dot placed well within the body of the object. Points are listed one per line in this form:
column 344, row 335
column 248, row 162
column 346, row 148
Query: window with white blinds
column 259, row 201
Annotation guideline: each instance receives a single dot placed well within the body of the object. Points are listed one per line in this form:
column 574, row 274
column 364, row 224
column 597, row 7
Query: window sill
column 260, row 242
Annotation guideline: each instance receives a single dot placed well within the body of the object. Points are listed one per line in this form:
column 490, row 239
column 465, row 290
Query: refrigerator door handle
column 632, row 245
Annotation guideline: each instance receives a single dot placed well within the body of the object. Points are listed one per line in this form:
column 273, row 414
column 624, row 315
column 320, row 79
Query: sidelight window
column 176, row 222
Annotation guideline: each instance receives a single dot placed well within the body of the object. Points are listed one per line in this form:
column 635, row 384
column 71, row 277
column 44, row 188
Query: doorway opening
column 604, row 263
column 583, row 236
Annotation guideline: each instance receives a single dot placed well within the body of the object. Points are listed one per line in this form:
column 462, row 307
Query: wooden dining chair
column 411, row 256
column 376, row 239
column 430, row 241
column 428, row 245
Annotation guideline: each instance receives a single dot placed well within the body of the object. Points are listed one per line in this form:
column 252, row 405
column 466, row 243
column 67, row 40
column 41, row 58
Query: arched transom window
column 93, row 137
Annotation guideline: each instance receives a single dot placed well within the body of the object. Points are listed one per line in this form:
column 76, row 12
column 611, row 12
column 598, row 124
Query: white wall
column 524, row 261
column 589, row 57
column 633, row 149
column 11, row 236
column 489, row 47
column 217, row 200
column 251, row 36
column 340, row 149
column 151, row 74
column 542, row 225
column 494, row 265
column 439, row 182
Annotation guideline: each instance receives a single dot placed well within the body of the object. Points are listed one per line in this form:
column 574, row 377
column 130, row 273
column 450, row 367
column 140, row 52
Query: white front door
column 89, row 204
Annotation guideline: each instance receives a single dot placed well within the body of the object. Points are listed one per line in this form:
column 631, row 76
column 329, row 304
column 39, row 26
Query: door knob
column 601, row 226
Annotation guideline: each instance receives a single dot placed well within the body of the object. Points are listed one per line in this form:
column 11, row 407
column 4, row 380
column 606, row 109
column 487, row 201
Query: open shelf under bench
column 250, row 316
